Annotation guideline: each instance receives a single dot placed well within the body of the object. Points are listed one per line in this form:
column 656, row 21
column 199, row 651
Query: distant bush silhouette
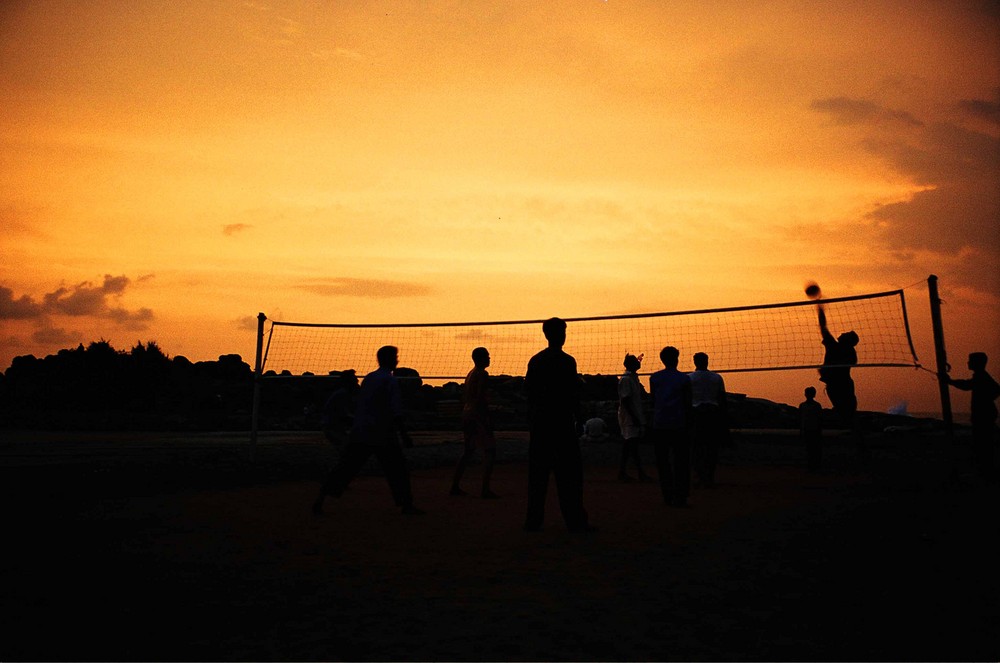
column 99, row 387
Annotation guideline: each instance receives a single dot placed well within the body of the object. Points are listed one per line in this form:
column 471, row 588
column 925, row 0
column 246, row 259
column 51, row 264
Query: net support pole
column 258, row 366
column 940, row 354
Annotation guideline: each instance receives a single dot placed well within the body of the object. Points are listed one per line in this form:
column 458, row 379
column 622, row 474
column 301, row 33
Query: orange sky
column 169, row 169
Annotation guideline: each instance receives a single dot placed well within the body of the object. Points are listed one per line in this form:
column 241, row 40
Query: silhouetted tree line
column 100, row 388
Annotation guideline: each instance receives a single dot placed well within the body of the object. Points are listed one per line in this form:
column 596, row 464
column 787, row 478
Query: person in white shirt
column 708, row 401
column 631, row 418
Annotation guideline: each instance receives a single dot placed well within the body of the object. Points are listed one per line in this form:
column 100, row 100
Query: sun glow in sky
column 169, row 169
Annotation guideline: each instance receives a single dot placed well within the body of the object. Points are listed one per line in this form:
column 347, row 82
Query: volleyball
column 812, row 290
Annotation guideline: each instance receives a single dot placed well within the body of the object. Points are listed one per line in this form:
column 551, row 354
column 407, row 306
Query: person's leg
column 351, row 460
column 845, row 405
column 622, row 474
column 632, row 447
column 681, row 445
column 637, row 458
column 698, row 444
column 661, row 446
column 814, row 451
column 568, row 467
column 460, row 468
column 983, row 441
column 714, row 442
column 489, row 458
column 539, row 466
column 397, row 474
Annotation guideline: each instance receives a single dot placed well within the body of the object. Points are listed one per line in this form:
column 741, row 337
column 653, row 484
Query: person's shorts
column 478, row 435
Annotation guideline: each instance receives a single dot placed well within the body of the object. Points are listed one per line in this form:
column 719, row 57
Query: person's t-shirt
column 630, row 387
column 668, row 387
column 707, row 388
column 809, row 416
column 379, row 405
column 553, row 389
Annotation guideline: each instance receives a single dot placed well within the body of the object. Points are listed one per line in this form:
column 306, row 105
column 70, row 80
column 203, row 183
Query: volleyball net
column 766, row 337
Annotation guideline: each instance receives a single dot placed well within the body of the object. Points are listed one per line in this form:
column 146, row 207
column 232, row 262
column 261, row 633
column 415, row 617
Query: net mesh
column 752, row 338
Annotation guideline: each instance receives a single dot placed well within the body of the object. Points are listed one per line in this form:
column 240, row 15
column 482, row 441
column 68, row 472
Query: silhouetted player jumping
column 836, row 371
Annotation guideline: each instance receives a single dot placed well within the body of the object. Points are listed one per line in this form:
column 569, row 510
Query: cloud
column 231, row 229
column 941, row 153
column 848, row 111
column 944, row 219
column 23, row 308
column 246, row 323
column 345, row 53
column 374, row 288
column 960, row 206
column 83, row 299
column 19, row 219
column 982, row 109
column 954, row 216
column 55, row 336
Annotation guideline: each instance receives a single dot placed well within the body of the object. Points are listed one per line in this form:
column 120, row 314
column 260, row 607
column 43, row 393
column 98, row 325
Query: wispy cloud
column 347, row 54
column 376, row 288
column 231, row 229
column 848, row 111
column 246, row 323
column 982, row 109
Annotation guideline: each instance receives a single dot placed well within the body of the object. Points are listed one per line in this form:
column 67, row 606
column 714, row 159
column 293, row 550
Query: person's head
column 977, row 361
column 701, row 361
column 810, row 393
column 670, row 356
column 555, row 331
column 388, row 357
column 632, row 363
column 481, row 357
column 348, row 378
column 848, row 338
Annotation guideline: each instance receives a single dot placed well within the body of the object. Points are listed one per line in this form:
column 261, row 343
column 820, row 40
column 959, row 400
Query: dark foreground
column 150, row 547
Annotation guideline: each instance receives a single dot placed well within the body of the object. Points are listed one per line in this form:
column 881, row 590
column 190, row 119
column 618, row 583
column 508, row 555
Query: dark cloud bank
column 78, row 301
column 957, row 215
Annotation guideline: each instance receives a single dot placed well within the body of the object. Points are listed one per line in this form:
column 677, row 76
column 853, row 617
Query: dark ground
column 169, row 547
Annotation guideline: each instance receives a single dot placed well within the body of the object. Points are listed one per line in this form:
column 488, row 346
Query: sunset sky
column 168, row 169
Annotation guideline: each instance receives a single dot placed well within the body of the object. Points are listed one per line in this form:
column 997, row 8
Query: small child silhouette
column 811, row 429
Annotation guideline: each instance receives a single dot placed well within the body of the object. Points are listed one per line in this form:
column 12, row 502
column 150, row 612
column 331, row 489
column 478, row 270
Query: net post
column 258, row 366
column 942, row 362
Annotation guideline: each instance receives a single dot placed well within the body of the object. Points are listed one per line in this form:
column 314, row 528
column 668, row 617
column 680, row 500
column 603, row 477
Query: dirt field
column 172, row 547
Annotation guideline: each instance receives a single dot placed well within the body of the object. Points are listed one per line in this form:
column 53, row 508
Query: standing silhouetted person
column 631, row 418
column 671, row 392
column 811, row 429
column 708, row 418
column 477, row 426
column 840, row 355
column 378, row 427
column 553, row 390
column 985, row 391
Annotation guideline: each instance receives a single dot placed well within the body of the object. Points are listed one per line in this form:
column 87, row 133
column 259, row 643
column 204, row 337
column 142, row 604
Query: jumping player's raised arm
column 827, row 336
